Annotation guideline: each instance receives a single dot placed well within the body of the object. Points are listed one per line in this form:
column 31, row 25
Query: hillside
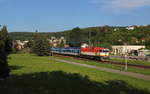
column 106, row 35
column 29, row 35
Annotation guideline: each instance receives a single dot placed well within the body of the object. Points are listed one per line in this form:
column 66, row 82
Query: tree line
column 104, row 36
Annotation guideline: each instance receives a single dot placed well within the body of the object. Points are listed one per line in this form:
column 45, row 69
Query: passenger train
column 91, row 52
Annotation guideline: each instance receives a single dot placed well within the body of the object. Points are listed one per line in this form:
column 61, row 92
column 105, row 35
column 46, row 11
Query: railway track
column 107, row 61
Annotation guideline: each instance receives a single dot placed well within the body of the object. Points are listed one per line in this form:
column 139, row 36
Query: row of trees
column 104, row 36
column 107, row 36
column 5, row 49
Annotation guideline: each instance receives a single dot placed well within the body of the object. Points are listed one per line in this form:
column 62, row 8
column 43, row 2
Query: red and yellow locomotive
column 96, row 52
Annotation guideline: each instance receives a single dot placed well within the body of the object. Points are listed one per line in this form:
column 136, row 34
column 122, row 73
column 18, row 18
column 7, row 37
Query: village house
column 130, row 27
column 19, row 45
column 129, row 49
column 56, row 41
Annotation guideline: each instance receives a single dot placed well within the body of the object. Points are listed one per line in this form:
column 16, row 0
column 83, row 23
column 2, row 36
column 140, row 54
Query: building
column 130, row 27
column 19, row 45
column 56, row 41
column 84, row 45
column 116, row 29
column 129, row 49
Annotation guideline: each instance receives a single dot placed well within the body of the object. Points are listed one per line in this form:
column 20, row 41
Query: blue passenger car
column 67, row 51
column 55, row 50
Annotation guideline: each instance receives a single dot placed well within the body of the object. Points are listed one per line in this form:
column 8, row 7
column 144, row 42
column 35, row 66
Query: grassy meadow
column 42, row 75
column 113, row 66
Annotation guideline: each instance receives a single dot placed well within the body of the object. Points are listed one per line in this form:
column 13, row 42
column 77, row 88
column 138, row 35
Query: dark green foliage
column 61, row 44
column 74, row 44
column 106, row 34
column 104, row 45
column 29, row 35
column 41, row 46
column 29, row 44
column 5, row 49
column 7, row 40
column 75, row 37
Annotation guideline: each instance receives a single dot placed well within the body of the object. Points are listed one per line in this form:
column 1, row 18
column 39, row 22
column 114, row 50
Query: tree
column 106, row 28
column 5, row 49
column 29, row 44
column 147, row 43
column 8, row 41
column 61, row 44
column 75, row 37
column 41, row 46
column 106, row 45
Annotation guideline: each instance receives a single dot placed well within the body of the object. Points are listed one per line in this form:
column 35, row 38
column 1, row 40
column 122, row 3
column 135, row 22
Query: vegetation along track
column 106, row 61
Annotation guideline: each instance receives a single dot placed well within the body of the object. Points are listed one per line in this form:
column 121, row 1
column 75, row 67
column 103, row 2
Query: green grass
column 113, row 66
column 136, row 62
column 41, row 75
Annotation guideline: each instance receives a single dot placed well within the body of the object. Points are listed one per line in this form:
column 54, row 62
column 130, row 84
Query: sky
column 59, row 15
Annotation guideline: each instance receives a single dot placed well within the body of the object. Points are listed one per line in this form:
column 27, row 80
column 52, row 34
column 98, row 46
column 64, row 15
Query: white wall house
column 56, row 41
column 84, row 45
column 130, row 28
column 122, row 49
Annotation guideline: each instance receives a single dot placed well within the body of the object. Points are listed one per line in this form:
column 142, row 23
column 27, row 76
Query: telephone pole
column 89, row 38
column 126, row 63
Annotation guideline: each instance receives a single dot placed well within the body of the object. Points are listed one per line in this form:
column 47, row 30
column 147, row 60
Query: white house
column 84, row 45
column 122, row 49
column 130, row 27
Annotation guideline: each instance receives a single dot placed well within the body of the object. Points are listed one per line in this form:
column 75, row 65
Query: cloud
column 123, row 4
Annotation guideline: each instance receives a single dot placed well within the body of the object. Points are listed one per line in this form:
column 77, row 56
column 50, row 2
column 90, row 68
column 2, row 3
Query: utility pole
column 89, row 38
column 126, row 63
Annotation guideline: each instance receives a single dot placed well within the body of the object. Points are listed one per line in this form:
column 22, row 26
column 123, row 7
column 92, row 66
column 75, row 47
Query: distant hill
column 29, row 35
column 21, row 35
column 107, row 35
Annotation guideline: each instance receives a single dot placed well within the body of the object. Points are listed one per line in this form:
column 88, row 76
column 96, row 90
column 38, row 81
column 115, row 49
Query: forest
column 104, row 36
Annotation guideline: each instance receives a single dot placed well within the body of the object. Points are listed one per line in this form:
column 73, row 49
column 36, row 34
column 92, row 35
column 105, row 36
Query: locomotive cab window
column 104, row 50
